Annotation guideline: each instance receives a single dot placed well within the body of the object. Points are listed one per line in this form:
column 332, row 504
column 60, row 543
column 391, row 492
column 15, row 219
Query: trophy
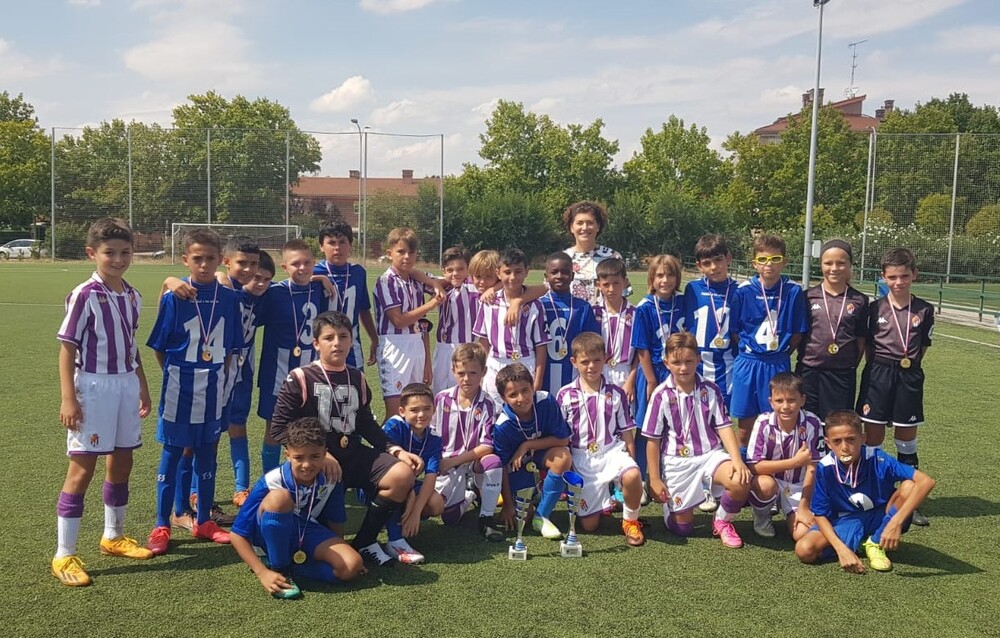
column 571, row 547
column 522, row 501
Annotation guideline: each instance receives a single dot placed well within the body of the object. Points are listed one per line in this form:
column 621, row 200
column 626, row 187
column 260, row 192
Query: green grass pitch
column 945, row 582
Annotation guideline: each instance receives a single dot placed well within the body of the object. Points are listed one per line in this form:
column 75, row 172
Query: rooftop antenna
column 852, row 91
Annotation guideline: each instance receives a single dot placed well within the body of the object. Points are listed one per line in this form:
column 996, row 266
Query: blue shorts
column 239, row 403
column 314, row 536
column 265, row 404
column 187, row 435
column 640, row 391
column 752, row 376
column 523, row 478
column 854, row 529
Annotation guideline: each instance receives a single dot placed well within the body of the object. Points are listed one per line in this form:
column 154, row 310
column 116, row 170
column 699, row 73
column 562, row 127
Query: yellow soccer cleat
column 69, row 571
column 876, row 556
column 125, row 547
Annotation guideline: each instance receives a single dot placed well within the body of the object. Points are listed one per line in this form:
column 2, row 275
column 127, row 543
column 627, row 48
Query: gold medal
column 344, row 441
column 297, row 351
column 772, row 345
column 592, row 448
column 612, row 362
column 718, row 342
column 206, row 355
column 905, row 362
column 684, row 451
column 241, row 360
column 833, row 348
column 562, row 352
column 531, row 467
column 299, row 557
column 515, row 355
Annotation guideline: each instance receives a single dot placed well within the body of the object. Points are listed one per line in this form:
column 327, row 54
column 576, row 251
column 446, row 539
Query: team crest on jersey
column 915, row 321
column 850, row 308
column 802, row 430
column 677, row 501
column 628, row 320
column 399, row 385
column 95, row 440
column 671, row 399
column 447, row 407
column 607, row 395
column 583, row 504
column 704, row 395
column 477, row 413
column 770, row 437
column 865, row 409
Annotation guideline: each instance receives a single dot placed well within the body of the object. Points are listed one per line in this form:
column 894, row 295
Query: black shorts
column 827, row 389
column 363, row 466
column 891, row 394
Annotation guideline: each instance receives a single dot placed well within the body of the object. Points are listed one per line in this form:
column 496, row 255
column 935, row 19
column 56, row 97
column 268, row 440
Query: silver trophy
column 571, row 547
column 522, row 502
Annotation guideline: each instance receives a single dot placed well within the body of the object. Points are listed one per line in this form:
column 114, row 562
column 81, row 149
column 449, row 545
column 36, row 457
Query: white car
column 18, row 249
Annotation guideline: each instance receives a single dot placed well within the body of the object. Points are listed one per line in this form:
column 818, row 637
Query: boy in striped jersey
column 104, row 397
column 455, row 316
column 616, row 317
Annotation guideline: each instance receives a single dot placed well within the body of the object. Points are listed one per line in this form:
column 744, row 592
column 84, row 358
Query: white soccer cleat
column 762, row 524
column 401, row 551
column 375, row 554
column 546, row 528
column 709, row 505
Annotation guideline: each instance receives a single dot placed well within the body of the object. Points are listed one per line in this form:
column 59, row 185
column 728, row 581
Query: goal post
column 269, row 237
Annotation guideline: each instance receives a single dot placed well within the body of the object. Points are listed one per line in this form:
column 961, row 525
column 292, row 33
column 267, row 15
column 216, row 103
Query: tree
column 15, row 109
column 24, row 163
column 678, row 157
column 985, row 223
column 934, row 213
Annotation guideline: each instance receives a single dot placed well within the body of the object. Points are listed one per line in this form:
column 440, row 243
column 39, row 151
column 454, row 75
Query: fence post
column 868, row 189
column 951, row 223
column 982, row 298
column 441, row 201
column 208, row 171
column 288, row 176
column 52, row 191
column 129, row 137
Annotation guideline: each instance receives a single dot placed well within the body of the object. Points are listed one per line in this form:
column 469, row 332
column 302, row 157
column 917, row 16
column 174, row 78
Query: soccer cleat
column 293, row 590
column 709, row 505
column 876, row 556
column 633, row 533
column 546, row 528
column 183, row 521
column 210, row 531
column 645, row 495
column 401, row 551
column 159, row 540
column 240, row 497
column 490, row 529
column 216, row 513
column 375, row 554
column 725, row 531
column 471, row 500
column 919, row 519
column 69, row 571
column 762, row 525
column 125, row 547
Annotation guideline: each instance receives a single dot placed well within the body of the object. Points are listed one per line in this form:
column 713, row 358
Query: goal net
column 268, row 237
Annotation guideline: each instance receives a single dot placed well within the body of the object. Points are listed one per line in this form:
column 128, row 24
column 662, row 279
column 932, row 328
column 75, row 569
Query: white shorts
column 400, row 362
column 495, row 365
column 687, row 478
column 598, row 471
column 790, row 495
column 441, row 367
column 110, row 405
column 451, row 485
column 616, row 375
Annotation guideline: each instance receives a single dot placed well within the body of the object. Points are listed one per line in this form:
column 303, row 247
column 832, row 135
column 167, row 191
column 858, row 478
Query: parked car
column 19, row 248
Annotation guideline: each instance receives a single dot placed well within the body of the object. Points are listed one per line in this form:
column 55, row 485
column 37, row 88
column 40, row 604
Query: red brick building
column 850, row 109
column 325, row 195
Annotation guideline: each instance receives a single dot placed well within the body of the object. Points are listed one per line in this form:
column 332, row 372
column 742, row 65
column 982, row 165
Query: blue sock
column 239, row 450
column 877, row 535
column 184, row 481
column 166, row 481
column 204, row 467
column 394, row 526
column 270, row 456
column 278, row 530
column 640, row 456
column 552, row 488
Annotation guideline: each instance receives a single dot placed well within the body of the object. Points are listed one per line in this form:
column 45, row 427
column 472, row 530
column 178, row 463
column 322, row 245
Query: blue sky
column 438, row 66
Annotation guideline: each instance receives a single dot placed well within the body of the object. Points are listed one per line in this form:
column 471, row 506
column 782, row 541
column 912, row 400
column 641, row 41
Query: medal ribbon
column 558, row 313
column 773, row 325
column 685, row 420
column 616, row 345
column 829, row 320
column 534, row 426
column 906, row 340
column 348, row 427
column 851, row 476
column 590, row 420
column 295, row 314
column 659, row 319
column 129, row 334
column 341, row 294
column 287, row 479
column 464, row 419
column 211, row 318
column 725, row 305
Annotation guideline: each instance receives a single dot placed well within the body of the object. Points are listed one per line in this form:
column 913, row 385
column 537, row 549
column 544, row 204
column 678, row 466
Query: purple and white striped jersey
column 462, row 430
column 616, row 328
column 686, row 424
column 768, row 442
column 393, row 291
column 523, row 337
column 102, row 324
column 603, row 420
column 457, row 315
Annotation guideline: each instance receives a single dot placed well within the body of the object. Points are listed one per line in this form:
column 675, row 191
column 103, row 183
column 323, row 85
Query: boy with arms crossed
column 566, row 316
column 455, row 315
column 616, row 316
column 104, row 397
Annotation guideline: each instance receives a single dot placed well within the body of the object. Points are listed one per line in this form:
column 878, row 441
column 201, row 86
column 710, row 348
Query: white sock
column 490, row 492
column 722, row 515
column 67, row 531
column 630, row 514
column 114, row 521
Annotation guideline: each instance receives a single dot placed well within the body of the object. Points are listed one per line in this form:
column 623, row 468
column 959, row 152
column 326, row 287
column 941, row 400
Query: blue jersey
column 761, row 317
column 510, row 432
column 428, row 448
column 707, row 309
column 196, row 338
column 321, row 502
column 287, row 312
column 869, row 486
column 655, row 320
column 566, row 317
column 351, row 282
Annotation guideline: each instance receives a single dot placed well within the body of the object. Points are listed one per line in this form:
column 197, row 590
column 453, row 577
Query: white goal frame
column 292, row 231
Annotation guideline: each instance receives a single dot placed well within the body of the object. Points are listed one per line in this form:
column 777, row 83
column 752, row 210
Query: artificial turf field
column 945, row 580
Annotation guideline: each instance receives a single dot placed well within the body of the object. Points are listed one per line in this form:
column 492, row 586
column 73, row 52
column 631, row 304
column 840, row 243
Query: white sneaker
column 645, row 495
column 470, row 500
column 401, row 551
column 709, row 504
column 546, row 528
column 375, row 554
column 762, row 525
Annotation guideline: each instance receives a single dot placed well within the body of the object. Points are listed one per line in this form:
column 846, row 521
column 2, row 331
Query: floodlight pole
column 811, row 188
column 361, row 155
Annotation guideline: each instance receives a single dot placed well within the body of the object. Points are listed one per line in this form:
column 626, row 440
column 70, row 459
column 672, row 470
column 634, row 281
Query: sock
column 640, row 455
column 451, row 515
column 182, row 501
column 115, row 500
column 379, row 510
column 489, row 492
column 239, row 451
column 394, row 526
column 317, row 570
column 906, row 452
column 278, row 530
column 270, row 456
column 166, row 481
column 69, row 513
column 678, row 529
column 759, row 503
column 728, row 508
column 630, row 514
column 552, row 488
column 204, row 467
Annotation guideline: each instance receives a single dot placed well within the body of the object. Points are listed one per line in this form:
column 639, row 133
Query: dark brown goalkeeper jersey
column 838, row 320
column 888, row 327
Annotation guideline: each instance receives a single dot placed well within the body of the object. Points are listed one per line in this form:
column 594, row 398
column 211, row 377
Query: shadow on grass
column 932, row 562
column 183, row 556
column 960, row 507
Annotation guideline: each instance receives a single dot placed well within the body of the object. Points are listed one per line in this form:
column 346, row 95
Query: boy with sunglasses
column 768, row 319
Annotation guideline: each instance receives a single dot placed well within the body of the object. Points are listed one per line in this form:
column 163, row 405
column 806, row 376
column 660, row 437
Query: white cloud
column 973, row 38
column 782, row 96
column 352, row 92
column 397, row 111
column 17, row 67
column 623, row 43
column 545, row 105
column 85, row 3
column 387, row 7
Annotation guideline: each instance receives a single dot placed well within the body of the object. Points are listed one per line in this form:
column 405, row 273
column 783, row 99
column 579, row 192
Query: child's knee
column 809, row 548
column 434, row 506
column 398, row 480
column 278, row 501
column 590, row 523
column 559, row 459
column 632, row 479
column 764, row 487
column 349, row 566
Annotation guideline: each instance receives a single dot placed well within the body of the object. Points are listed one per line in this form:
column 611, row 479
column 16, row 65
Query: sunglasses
column 766, row 260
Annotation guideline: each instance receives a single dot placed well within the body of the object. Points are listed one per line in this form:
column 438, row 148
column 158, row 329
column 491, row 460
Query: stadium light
column 811, row 188
column 361, row 180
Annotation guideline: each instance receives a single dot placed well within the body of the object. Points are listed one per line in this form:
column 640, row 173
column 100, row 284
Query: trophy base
column 570, row 550
column 517, row 554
